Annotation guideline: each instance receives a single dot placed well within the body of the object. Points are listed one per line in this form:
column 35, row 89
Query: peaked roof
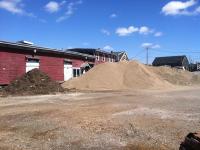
column 120, row 54
column 169, row 60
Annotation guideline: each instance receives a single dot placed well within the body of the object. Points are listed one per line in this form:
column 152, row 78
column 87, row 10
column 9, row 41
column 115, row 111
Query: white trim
column 123, row 56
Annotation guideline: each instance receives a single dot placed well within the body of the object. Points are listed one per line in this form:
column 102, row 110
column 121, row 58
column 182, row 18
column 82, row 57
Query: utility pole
column 147, row 55
column 147, row 47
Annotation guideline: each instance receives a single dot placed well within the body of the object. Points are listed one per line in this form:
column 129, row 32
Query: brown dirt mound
column 131, row 75
column 118, row 76
column 34, row 82
column 175, row 76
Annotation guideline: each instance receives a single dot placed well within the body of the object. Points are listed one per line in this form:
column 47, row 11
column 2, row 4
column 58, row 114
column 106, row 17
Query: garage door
column 68, row 71
column 32, row 64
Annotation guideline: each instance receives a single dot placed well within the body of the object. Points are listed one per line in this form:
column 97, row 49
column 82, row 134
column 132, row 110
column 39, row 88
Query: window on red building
column 97, row 57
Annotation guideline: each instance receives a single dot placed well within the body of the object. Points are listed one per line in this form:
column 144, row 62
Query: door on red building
column 68, row 71
column 32, row 64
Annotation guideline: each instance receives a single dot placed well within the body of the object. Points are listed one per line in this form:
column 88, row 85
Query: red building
column 18, row 58
column 101, row 56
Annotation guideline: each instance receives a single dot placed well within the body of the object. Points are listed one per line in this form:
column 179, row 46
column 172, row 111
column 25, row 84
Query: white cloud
column 126, row 31
column 150, row 45
column 198, row 10
column 52, row 7
column 178, row 7
column 15, row 7
column 106, row 32
column 145, row 30
column 63, row 2
column 145, row 45
column 108, row 47
column 158, row 34
column 12, row 6
column 86, row 44
column 113, row 15
column 157, row 46
column 70, row 10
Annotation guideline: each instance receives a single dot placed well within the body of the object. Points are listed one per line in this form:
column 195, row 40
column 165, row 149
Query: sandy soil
column 131, row 75
column 147, row 119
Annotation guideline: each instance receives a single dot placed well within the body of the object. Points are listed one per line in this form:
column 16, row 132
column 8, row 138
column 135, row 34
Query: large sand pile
column 119, row 76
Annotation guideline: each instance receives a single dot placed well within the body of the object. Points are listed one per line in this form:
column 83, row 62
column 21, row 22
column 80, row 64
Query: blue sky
column 168, row 27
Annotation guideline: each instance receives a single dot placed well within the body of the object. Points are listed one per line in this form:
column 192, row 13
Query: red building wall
column 12, row 65
column 53, row 66
column 77, row 63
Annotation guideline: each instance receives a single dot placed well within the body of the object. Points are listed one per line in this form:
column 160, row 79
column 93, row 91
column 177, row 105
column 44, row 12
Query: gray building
column 180, row 62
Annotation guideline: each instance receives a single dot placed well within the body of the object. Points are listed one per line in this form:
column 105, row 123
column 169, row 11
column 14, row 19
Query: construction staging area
column 125, row 105
column 109, row 120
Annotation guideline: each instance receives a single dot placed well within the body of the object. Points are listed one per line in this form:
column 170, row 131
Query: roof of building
column 28, row 47
column 90, row 51
column 169, row 60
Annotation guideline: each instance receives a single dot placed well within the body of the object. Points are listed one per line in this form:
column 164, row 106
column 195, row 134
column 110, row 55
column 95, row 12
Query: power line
column 138, row 54
column 166, row 51
column 143, row 56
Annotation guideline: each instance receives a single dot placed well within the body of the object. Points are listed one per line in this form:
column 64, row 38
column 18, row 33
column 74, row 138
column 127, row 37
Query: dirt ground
column 148, row 119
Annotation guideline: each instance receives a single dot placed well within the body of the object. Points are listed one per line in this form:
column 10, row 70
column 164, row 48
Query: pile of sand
column 118, row 76
column 32, row 83
column 174, row 76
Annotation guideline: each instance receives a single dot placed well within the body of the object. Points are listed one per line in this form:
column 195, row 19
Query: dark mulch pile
column 34, row 82
column 192, row 142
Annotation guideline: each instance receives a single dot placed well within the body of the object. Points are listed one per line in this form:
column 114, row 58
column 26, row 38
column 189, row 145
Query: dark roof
column 103, row 51
column 170, row 61
column 90, row 51
column 27, row 47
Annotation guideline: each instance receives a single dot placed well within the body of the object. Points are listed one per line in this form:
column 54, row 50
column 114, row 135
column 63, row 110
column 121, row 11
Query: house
column 121, row 56
column 180, row 62
column 19, row 58
column 101, row 56
column 198, row 66
column 193, row 67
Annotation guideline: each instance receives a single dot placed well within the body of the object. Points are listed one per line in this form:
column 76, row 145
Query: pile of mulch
column 192, row 142
column 34, row 82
